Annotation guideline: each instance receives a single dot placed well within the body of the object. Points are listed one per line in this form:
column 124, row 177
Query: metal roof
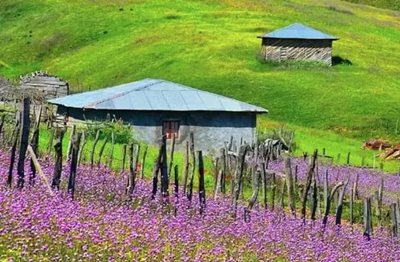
column 154, row 95
column 298, row 31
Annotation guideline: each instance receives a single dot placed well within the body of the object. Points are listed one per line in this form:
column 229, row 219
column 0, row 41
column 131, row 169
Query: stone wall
column 44, row 86
column 211, row 129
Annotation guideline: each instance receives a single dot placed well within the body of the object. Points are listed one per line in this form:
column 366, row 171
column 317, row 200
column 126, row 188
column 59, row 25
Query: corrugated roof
column 154, row 95
column 298, row 31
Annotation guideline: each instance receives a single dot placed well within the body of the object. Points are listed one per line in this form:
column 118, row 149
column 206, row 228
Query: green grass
column 212, row 45
column 388, row 4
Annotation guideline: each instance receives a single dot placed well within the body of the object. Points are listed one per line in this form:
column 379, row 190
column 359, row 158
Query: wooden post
column 111, row 155
column 35, row 145
column 351, row 214
column 133, row 156
column 224, row 170
column 239, row 176
column 96, row 140
column 143, row 162
column 367, row 218
column 13, row 153
column 202, row 189
column 326, row 182
column 256, row 175
column 50, row 142
column 216, row 171
column 1, row 128
column 310, row 175
column 156, row 170
column 76, row 140
column 273, row 190
column 123, row 157
column 103, row 146
column 39, row 170
column 176, row 182
column 189, row 191
column 314, row 201
column 58, row 161
column 281, row 202
column 171, row 160
column 339, row 208
column 290, row 190
column 348, row 159
column 393, row 213
column 164, row 170
column 328, row 204
column 82, row 147
column 264, row 185
column 185, row 169
column 25, row 125
column 218, row 187
column 69, row 149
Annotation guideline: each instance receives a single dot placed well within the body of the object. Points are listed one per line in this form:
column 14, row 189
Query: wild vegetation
column 54, row 206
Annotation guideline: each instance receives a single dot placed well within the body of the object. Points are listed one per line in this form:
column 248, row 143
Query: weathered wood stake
column 143, row 162
column 328, row 204
column 13, row 154
column 25, row 125
column 58, row 161
column 76, row 141
column 103, row 146
column 202, row 189
column 310, row 175
column 96, row 140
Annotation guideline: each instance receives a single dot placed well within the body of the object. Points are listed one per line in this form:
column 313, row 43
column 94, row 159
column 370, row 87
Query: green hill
column 388, row 4
column 212, row 45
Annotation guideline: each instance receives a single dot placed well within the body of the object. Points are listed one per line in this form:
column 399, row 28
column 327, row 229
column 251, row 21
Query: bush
column 124, row 134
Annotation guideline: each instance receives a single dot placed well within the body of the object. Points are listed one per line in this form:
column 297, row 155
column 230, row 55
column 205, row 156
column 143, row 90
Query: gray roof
column 154, row 95
column 298, row 31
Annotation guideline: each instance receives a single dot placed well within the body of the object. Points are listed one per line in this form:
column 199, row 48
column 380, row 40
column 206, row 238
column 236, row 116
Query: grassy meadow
column 212, row 45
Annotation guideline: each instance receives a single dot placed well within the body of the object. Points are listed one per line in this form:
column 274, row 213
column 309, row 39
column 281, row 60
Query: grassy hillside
column 388, row 4
column 212, row 45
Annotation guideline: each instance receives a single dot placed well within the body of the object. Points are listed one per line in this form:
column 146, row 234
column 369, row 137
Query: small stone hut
column 42, row 85
column 155, row 107
column 297, row 42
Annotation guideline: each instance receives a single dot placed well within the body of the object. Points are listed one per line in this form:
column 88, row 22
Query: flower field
column 100, row 225
column 368, row 179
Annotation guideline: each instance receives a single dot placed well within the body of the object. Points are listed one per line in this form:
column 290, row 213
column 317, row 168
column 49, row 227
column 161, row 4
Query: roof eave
column 304, row 38
column 257, row 111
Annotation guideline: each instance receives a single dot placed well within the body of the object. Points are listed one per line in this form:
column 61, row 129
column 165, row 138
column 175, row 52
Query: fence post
column 103, row 146
column 58, row 161
column 96, row 140
column 202, row 189
column 35, row 145
column 13, row 153
column 185, row 169
column 25, row 125
column 123, row 157
column 76, row 140
column 367, row 218
column 82, row 147
column 290, row 191
column 143, row 161
column 69, row 149
column 111, row 155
